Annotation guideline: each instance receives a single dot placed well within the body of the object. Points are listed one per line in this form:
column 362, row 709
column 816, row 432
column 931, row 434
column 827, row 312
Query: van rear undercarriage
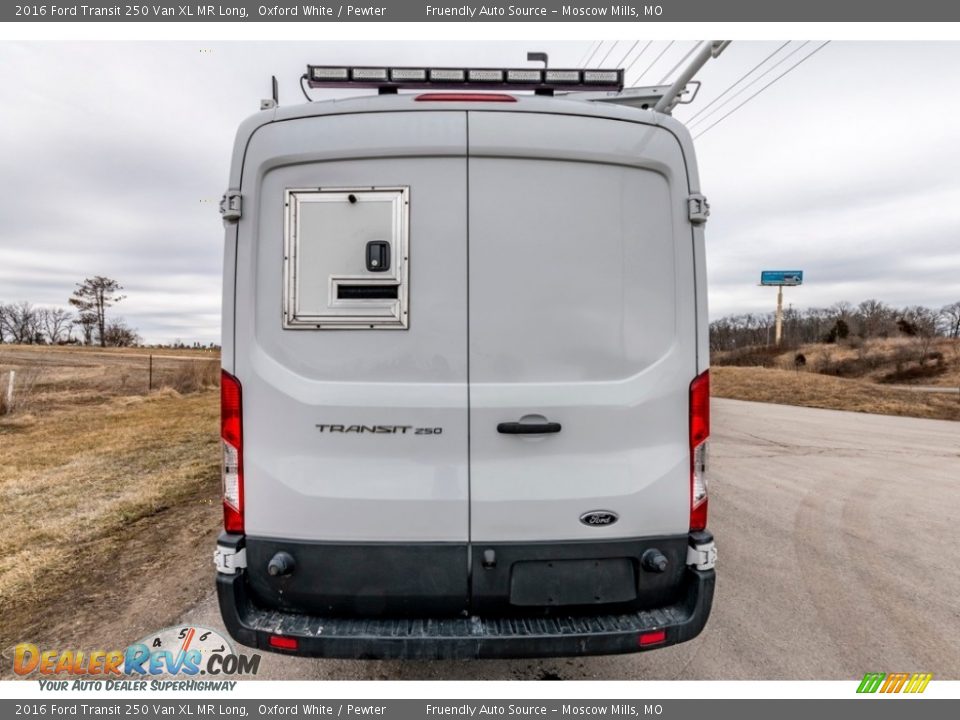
column 553, row 606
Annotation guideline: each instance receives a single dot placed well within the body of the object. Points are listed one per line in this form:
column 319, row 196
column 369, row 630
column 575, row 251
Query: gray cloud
column 112, row 157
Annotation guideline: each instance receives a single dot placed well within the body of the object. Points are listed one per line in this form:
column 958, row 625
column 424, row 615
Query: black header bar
column 517, row 11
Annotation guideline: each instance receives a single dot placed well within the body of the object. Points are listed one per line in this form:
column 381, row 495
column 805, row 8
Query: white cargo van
column 465, row 371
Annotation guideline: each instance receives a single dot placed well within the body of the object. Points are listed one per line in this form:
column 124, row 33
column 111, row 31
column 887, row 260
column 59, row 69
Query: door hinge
column 231, row 205
column 229, row 560
column 698, row 209
column 702, row 557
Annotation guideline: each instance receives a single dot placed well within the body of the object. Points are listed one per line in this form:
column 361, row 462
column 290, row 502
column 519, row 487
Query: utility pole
column 11, row 378
column 778, row 331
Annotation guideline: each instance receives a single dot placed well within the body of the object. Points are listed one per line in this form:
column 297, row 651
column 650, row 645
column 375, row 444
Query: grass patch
column 750, row 356
column 914, row 374
column 81, row 476
column 894, row 360
column 787, row 387
column 50, row 377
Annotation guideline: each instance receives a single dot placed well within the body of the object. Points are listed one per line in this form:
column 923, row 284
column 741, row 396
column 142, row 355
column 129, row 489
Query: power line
column 620, row 64
column 639, row 55
column 785, row 72
column 655, row 60
column 681, row 62
column 600, row 64
column 589, row 48
column 593, row 53
column 753, row 82
column 740, row 80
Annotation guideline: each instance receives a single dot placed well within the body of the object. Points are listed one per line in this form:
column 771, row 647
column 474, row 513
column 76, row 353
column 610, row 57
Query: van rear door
column 352, row 354
column 582, row 322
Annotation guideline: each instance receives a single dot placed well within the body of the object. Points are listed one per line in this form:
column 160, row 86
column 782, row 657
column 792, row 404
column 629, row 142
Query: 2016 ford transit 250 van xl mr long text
column 465, row 371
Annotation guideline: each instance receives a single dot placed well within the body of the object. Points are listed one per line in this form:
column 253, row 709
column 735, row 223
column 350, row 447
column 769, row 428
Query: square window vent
column 345, row 258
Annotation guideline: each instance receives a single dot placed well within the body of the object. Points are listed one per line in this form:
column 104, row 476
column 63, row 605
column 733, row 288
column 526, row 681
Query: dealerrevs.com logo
column 184, row 652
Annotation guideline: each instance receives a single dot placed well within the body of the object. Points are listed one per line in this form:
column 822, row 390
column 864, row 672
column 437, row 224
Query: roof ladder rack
column 663, row 98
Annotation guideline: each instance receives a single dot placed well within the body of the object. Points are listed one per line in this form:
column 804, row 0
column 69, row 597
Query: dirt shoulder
column 105, row 509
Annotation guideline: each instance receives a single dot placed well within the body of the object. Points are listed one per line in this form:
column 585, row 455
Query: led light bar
column 387, row 79
column 453, row 76
column 369, row 74
column 600, row 76
column 328, row 73
column 485, row 75
column 524, row 76
column 563, row 77
column 399, row 75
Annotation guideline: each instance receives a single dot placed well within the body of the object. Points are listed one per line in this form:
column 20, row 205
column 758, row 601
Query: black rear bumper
column 466, row 637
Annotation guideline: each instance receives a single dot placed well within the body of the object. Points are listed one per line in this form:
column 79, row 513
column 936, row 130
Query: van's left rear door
column 377, row 521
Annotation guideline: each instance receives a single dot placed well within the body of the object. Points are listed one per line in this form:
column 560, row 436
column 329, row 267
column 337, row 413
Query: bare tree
column 117, row 334
column 41, row 338
column 876, row 319
column 22, row 323
column 87, row 323
column 56, row 322
column 4, row 327
column 842, row 310
column 918, row 321
column 921, row 323
column 92, row 298
column 839, row 322
column 950, row 319
column 816, row 323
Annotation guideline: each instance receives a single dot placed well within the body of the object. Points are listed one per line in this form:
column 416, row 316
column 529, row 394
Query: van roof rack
column 645, row 98
column 590, row 84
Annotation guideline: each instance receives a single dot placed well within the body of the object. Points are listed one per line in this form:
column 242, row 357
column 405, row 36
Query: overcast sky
column 113, row 157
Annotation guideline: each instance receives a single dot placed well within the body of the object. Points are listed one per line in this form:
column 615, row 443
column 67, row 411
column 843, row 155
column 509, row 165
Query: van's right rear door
column 582, row 313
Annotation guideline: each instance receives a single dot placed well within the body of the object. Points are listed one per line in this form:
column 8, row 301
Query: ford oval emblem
column 599, row 518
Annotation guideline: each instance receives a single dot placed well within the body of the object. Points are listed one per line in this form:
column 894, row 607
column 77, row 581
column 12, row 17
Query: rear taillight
column 699, row 442
column 231, row 436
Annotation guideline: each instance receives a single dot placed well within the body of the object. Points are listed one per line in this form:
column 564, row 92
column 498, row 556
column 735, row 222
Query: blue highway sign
column 781, row 277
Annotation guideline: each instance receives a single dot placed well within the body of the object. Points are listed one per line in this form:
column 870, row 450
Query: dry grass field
column 892, row 361
column 788, row 387
column 55, row 377
column 888, row 377
column 107, row 490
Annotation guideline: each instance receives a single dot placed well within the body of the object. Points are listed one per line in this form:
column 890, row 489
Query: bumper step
column 468, row 637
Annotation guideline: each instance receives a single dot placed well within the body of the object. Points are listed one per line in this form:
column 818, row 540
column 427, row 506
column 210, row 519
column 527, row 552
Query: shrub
column 750, row 356
column 193, row 375
column 839, row 331
column 913, row 373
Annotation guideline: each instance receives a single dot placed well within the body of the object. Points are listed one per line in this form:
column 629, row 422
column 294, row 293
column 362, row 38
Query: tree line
column 840, row 321
column 28, row 324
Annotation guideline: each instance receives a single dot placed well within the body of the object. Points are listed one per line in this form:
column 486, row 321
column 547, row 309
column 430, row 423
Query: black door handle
column 515, row 428
column 378, row 256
